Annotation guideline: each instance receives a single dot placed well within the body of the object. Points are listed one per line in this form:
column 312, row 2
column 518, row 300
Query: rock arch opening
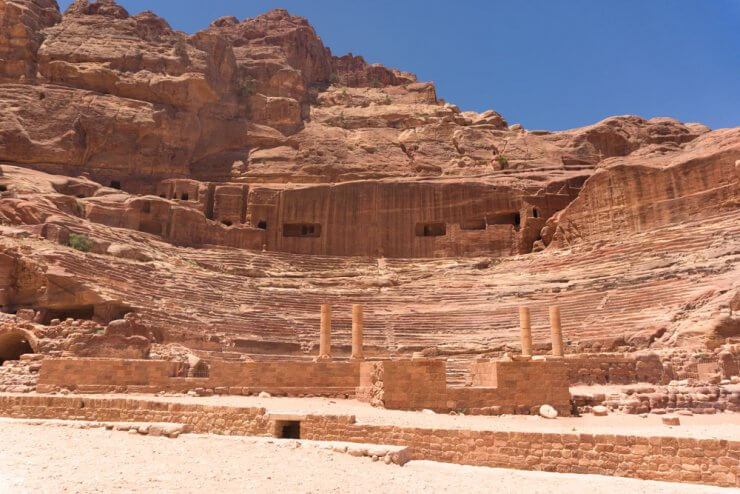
column 13, row 345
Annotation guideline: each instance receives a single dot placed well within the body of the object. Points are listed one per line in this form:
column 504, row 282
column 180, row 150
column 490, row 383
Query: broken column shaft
column 556, row 331
column 325, row 337
column 526, row 331
column 358, row 323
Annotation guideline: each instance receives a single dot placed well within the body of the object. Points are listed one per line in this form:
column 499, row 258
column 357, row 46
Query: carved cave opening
column 262, row 225
column 81, row 312
column 513, row 218
column 12, row 346
column 103, row 313
column 227, row 222
column 185, row 196
column 288, row 429
column 431, row 229
column 535, row 213
column 301, row 230
column 115, row 184
column 473, row 224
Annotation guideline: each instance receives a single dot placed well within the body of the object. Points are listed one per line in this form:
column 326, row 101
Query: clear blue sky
column 546, row 64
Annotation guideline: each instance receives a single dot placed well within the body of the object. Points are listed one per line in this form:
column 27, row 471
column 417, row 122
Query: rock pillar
column 526, row 331
column 556, row 331
column 358, row 324
column 325, row 337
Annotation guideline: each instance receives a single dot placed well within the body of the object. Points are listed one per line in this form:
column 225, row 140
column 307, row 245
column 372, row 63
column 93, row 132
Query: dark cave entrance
column 12, row 346
column 430, row 229
column 288, row 429
column 82, row 312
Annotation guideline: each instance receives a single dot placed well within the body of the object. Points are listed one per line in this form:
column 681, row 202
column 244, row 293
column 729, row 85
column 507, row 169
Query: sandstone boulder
column 548, row 412
column 600, row 410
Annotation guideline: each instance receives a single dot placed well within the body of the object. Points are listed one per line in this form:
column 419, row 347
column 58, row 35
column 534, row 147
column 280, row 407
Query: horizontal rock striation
column 225, row 184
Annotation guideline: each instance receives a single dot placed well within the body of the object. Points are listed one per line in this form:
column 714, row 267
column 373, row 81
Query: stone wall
column 199, row 418
column 615, row 369
column 707, row 461
column 498, row 387
column 105, row 375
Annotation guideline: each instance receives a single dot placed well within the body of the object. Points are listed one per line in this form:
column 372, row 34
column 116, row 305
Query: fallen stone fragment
column 671, row 420
column 600, row 410
column 548, row 412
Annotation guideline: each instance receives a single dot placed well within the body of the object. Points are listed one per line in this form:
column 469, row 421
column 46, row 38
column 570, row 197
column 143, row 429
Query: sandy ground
column 718, row 426
column 44, row 459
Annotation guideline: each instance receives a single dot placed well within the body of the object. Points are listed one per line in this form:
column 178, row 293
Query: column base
column 322, row 358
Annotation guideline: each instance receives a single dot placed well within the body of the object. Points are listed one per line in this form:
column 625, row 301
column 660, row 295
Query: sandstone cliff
column 301, row 176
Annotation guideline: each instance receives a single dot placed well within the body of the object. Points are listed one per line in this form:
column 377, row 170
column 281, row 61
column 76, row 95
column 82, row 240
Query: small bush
column 503, row 161
column 79, row 242
column 247, row 87
column 387, row 100
column 181, row 49
column 80, row 208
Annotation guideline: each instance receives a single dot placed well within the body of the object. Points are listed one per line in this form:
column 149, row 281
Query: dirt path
column 44, row 459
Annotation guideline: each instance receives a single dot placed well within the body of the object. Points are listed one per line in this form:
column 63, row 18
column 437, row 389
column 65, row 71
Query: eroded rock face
column 262, row 100
column 211, row 175
column 21, row 25
column 649, row 190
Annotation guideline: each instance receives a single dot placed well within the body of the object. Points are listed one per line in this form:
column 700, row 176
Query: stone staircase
column 604, row 290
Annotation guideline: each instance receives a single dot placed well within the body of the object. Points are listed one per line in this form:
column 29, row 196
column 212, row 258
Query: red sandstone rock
column 670, row 420
column 251, row 136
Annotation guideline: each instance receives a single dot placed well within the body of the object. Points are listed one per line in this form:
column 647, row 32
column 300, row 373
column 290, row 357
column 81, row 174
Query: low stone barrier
column 683, row 459
column 107, row 375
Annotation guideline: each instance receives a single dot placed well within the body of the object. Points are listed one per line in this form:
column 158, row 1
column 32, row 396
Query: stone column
column 358, row 324
column 526, row 331
column 325, row 337
column 556, row 332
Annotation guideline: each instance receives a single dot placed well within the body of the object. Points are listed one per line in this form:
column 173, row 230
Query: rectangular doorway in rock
column 509, row 218
column 435, row 229
column 288, row 429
